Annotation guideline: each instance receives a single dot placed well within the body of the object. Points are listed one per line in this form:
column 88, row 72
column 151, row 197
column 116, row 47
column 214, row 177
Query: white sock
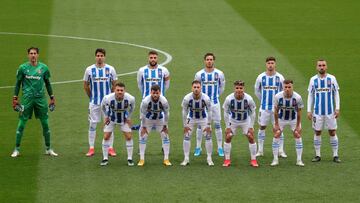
column 261, row 139
column 275, row 147
column 227, row 150
column 92, row 134
column 165, row 145
column 105, row 149
column 142, row 145
column 130, row 148
column 252, row 148
column 199, row 136
column 317, row 145
column 111, row 140
column 208, row 146
column 281, row 148
column 334, row 144
column 218, row 133
column 186, row 147
column 299, row 148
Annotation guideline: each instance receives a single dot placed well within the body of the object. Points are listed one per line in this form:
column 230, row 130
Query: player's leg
column 129, row 142
column 165, row 145
column 143, row 136
column 208, row 144
column 317, row 124
column 94, row 119
column 19, row 133
column 216, row 117
column 298, row 144
column 263, row 119
column 108, row 129
column 249, row 132
column 187, row 144
column 282, row 138
column 199, row 136
column 111, row 148
column 229, row 132
column 275, row 146
column 334, row 141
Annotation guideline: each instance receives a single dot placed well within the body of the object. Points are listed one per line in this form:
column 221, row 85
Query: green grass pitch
column 241, row 34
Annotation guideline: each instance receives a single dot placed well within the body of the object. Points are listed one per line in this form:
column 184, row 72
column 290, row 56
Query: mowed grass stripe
column 19, row 176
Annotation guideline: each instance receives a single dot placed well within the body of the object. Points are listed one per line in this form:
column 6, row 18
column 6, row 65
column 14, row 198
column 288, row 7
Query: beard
column 321, row 72
column 153, row 63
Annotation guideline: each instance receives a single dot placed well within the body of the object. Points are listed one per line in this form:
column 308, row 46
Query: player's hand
column 143, row 131
column 165, row 130
column 128, row 121
column 107, row 121
column 309, row 115
column 251, row 131
column 15, row 102
column 52, row 103
column 186, row 130
column 207, row 130
column 276, row 127
column 337, row 113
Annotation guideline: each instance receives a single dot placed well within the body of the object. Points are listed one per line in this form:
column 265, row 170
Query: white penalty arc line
column 167, row 55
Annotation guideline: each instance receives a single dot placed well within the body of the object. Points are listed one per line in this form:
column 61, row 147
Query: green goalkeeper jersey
column 33, row 80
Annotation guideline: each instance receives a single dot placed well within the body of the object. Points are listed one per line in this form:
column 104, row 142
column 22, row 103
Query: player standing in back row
column 324, row 97
column 33, row 76
column 267, row 85
column 99, row 80
column 213, row 85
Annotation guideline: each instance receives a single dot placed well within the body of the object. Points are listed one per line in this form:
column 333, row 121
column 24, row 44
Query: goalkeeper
column 33, row 76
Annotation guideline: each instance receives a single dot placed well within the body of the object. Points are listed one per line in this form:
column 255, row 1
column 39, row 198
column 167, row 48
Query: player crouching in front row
column 239, row 112
column 117, row 108
column 288, row 105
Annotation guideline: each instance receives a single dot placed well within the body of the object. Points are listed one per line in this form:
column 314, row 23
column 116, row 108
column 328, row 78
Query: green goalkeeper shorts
column 38, row 105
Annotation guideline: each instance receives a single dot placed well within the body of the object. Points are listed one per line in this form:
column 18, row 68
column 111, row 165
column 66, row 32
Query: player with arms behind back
column 288, row 105
column 117, row 108
column 239, row 113
column 325, row 99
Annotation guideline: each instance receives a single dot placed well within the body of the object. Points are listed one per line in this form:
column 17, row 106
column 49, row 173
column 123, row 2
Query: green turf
column 237, row 33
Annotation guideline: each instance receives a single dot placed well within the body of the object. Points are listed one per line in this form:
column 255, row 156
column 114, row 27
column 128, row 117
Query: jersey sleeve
column 336, row 94
column 140, row 81
column 222, row 83
column 252, row 113
column 310, row 95
column 257, row 87
column 113, row 74
column 184, row 106
column 166, row 110
column 19, row 78
column 226, row 112
column 300, row 102
column 86, row 75
column 197, row 76
column 131, row 106
column 105, row 108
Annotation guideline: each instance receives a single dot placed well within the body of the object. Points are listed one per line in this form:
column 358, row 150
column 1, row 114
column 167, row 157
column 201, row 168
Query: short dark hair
column 239, row 83
column 101, row 50
column 33, row 48
column 120, row 84
column 155, row 88
column 195, row 82
column 321, row 59
column 153, row 52
column 287, row 81
column 209, row 54
column 270, row 58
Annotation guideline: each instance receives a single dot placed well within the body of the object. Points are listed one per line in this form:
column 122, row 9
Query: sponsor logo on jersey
column 31, row 77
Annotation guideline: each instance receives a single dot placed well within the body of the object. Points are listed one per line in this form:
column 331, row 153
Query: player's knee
column 263, row 127
column 297, row 134
column 251, row 138
column 92, row 126
column 217, row 125
column 277, row 133
column 332, row 132
column 228, row 138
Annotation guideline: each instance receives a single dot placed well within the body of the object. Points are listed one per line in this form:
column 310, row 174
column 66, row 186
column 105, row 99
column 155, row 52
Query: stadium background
column 241, row 34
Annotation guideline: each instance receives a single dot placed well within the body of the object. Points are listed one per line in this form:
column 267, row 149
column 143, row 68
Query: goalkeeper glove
column 52, row 103
column 16, row 106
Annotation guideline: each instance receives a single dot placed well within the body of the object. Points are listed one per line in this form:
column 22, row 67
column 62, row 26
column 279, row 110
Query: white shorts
column 200, row 123
column 243, row 125
column 320, row 122
column 156, row 125
column 291, row 123
column 124, row 127
column 265, row 116
column 95, row 113
column 216, row 112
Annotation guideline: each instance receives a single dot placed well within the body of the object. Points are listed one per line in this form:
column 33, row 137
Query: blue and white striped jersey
column 146, row 77
column 237, row 111
column 288, row 107
column 196, row 109
column 152, row 110
column 266, row 87
column 118, row 111
column 212, row 84
column 325, row 94
column 100, row 80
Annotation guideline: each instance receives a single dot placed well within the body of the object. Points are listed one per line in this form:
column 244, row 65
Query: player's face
column 288, row 89
column 119, row 92
column 209, row 61
column 33, row 56
column 155, row 95
column 196, row 89
column 239, row 90
column 270, row 65
column 100, row 58
column 153, row 58
column 321, row 67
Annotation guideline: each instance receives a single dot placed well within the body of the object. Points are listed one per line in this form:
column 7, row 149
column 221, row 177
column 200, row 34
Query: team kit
column 112, row 105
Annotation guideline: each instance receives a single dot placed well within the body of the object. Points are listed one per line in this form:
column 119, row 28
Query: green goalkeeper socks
column 46, row 132
column 19, row 132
